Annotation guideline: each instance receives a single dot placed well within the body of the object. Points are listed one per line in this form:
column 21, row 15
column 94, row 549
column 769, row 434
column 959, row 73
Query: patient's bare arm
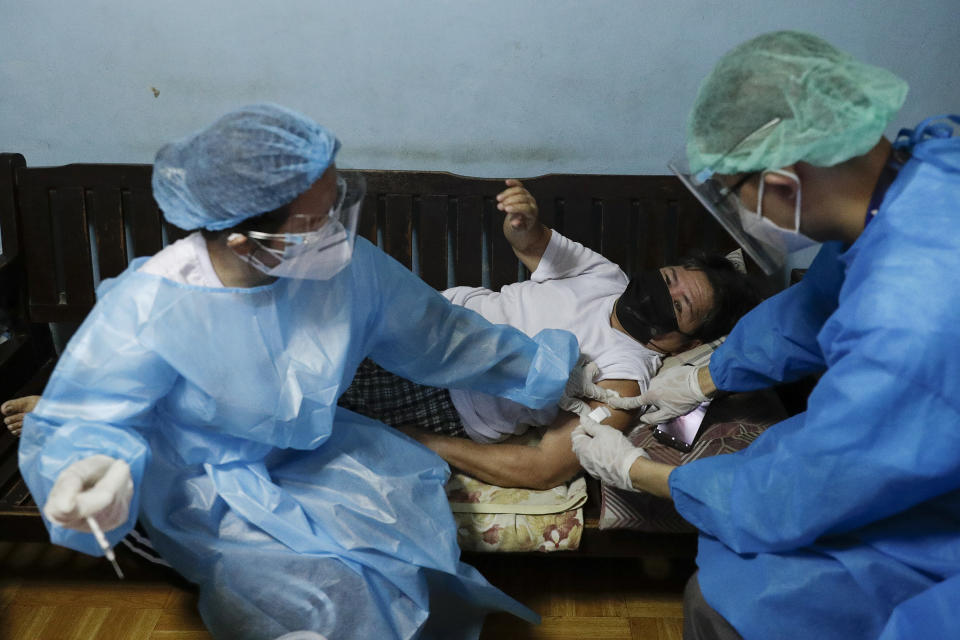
column 505, row 464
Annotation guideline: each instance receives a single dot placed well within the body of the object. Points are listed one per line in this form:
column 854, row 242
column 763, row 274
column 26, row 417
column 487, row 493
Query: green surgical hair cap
column 831, row 107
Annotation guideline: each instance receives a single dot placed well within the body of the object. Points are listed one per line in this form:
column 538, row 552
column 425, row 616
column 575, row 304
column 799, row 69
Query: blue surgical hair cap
column 250, row 161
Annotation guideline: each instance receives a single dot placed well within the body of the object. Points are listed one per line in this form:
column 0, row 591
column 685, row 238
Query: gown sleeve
column 929, row 614
column 416, row 333
column 777, row 341
column 879, row 435
column 98, row 401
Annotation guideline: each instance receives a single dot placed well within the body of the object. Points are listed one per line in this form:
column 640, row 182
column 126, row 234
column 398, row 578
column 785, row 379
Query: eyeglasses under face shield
column 322, row 252
column 724, row 204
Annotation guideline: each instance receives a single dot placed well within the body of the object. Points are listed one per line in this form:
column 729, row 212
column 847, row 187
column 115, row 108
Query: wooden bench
column 64, row 229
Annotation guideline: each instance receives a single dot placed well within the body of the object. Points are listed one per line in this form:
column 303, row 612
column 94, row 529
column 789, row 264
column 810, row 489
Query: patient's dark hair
column 734, row 293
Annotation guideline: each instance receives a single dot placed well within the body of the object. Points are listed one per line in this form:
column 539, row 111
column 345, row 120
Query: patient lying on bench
column 625, row 326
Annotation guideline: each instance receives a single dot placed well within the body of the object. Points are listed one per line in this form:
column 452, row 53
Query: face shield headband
column 318, row 254
column 723, row 202
column 645, row 309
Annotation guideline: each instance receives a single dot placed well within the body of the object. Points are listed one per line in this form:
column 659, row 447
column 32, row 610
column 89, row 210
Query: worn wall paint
column 491, row 88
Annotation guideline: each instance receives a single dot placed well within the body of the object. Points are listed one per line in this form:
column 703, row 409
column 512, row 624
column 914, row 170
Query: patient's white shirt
column 575, row 289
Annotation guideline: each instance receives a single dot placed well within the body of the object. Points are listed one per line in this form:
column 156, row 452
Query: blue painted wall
column 491, row 88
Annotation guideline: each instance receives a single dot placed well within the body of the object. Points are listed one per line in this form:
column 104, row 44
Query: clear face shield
column 325, row 244
column 723, row 202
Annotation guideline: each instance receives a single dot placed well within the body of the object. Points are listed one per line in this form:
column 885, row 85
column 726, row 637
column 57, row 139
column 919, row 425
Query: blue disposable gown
column 288, row 511
column 847, row 516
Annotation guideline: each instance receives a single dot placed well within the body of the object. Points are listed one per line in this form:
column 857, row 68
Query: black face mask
column 645, row 309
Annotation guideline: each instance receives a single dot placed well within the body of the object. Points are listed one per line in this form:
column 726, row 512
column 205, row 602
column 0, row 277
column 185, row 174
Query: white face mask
column 312, row 255
column 317, row 255
column 769, row 233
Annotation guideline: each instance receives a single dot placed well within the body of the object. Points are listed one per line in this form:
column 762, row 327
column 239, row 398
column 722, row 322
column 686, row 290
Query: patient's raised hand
column 519, row 206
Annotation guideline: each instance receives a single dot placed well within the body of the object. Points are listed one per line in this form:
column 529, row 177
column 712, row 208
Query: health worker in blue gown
column 843, row 521
column 200, row 396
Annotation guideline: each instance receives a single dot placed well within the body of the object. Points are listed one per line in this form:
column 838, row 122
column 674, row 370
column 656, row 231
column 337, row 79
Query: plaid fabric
column 384, row 396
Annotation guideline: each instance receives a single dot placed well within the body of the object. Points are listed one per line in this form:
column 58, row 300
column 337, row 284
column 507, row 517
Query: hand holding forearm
column 674, row 392
column 581, row 387
column 604, row 452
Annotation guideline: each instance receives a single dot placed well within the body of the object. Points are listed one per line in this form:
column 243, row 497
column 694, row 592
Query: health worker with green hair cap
column 200, row 397
column 841, row 521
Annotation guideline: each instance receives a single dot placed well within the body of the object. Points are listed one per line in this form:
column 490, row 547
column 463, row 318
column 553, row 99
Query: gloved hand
column 581, row 385
column 99, row 486
column 674, row 392
column 605, row 453
column 574, row 405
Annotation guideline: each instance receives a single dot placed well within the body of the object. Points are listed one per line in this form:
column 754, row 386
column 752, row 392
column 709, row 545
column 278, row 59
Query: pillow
column 736, row 257
column 491, row 518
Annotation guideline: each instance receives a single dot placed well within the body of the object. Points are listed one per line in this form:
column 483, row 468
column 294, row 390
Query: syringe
column 104, row 545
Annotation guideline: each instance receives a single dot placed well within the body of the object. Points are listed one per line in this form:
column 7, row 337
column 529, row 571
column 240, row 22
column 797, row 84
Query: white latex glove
column 605, row 453
column 99, row 487
column 581, row 385
column 674, row 392
column 575, row 405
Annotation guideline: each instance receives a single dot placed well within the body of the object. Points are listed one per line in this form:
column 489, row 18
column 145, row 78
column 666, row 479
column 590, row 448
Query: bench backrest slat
column 432, row 221
column 10, row 240
column 105, row 220
column 85, row 222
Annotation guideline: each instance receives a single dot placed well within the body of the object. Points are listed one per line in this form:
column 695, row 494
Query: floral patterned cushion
column 491, row 518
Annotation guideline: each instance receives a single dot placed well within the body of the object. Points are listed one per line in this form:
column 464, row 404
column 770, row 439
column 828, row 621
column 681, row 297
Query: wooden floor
column 583, row 598
column 50, row 593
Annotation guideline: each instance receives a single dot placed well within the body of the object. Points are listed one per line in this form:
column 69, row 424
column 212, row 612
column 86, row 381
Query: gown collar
column 894, row 163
